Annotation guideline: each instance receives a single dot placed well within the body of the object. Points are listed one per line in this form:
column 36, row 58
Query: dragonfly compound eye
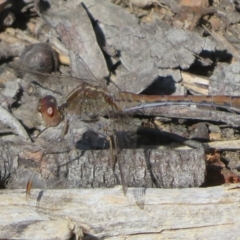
column 49, row 110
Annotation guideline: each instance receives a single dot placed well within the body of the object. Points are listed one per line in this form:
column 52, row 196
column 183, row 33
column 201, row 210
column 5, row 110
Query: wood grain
column 196, row 213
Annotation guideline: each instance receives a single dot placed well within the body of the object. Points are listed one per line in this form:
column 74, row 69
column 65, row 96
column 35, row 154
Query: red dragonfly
column 88, row 102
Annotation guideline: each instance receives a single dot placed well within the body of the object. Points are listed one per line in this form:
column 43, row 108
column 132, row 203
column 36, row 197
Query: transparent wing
column 43, row 201
column 44, row 78
column 121, row 122
column 80, row 67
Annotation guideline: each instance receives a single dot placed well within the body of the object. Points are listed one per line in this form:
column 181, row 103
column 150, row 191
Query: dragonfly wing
column 46, row 79
column 82, row 71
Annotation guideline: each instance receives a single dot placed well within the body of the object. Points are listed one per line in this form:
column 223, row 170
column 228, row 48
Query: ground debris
column 139, row 57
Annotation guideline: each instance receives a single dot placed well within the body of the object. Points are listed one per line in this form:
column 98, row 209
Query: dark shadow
column 223, row 56
column 40, row 195
column 226, row 162
column 4, row 62
column 92, row 141
column 214, row 177
column 101, row 40
column 159, row 137
column 147, row 154
column 4, row 179
column 161, row 86
column 147, row 136
column 43, row 5
column 18, row 96
column 237, row 6
column 85, row 236
column 210, row 2
column 22, row 18
column 205, row 62
column 89, row 237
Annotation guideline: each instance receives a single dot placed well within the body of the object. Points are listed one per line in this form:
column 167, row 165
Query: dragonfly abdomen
column 132, row 101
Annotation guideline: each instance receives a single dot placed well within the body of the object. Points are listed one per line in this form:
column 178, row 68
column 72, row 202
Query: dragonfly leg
column 120, row 162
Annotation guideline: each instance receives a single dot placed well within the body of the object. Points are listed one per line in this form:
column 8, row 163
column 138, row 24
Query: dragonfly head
column 50, row 111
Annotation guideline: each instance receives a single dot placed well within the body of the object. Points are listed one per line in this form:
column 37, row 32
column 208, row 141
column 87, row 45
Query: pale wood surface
column 196, row 213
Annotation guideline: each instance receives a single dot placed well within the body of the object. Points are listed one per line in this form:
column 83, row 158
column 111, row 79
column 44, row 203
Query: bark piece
column 7, row 118
column 75, row 30
column 93, row 169
column 225, row 79
column 106, row 213
column 162, row 46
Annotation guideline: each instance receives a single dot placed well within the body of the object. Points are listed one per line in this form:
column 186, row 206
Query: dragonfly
column 123, row 102
column 88, row 101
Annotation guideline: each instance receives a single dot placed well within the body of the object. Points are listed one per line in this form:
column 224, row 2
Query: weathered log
column 164, row 168
column 199, row 213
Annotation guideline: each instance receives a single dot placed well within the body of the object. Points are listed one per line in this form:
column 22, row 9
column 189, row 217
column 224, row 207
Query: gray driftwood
column 205, row 213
